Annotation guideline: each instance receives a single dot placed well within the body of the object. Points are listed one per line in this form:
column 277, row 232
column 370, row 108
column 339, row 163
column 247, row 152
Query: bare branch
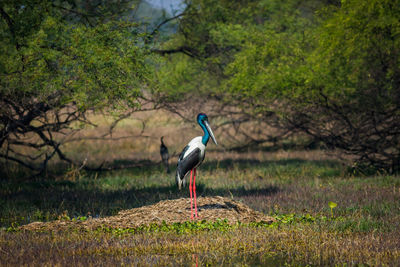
column 165, row 22
column 183, row 49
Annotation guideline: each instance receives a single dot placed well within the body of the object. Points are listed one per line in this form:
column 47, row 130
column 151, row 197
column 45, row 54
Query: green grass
column 362, row 229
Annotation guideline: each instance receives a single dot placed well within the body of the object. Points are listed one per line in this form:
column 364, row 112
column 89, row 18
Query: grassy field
column 291, row 186
column 295, row 187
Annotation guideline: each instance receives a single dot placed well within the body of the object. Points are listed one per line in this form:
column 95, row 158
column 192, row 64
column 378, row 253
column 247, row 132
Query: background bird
column 191, row 157
column 164, row 154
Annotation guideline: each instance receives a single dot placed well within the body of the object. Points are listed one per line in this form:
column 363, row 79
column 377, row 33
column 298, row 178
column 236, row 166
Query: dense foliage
column 352, row 88
column 59, row 59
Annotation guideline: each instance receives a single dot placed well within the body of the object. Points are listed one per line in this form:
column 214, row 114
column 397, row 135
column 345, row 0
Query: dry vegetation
column 254, row 246
column 167, row 211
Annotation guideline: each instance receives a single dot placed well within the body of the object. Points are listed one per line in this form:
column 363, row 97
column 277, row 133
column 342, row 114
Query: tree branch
column 165, row 22
column 183, row 49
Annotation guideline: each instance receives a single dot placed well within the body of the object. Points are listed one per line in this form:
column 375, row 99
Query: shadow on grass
column 328, row 168
column 248, row 163
column 38, row 201
column 44, row 200
column 15, row 172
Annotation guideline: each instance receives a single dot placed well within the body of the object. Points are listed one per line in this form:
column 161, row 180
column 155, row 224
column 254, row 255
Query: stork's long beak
column 210, row 132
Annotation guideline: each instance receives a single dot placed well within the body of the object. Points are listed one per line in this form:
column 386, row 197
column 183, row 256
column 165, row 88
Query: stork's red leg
column 194, row 191
column 191, row 197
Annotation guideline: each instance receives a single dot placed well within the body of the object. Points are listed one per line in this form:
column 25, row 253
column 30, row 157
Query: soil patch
column 170, row 211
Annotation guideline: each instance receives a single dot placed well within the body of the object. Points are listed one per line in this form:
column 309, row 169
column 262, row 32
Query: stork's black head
column 201, row 117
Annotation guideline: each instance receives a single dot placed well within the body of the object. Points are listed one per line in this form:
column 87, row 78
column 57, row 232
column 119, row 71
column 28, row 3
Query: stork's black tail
column 179, row 178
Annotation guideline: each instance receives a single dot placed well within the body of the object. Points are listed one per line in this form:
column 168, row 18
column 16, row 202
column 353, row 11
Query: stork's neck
column 206, row 135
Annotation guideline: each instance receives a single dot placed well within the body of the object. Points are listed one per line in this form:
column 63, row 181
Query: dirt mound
column 170, row 211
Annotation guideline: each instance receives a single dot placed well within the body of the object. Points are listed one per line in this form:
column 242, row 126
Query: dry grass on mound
column 170, row 211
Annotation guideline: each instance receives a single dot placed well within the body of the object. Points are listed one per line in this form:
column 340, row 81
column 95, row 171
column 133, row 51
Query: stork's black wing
column 189, row 162
column 185, row 164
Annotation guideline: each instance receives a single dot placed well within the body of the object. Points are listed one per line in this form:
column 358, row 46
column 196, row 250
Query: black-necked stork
column 191, row 157
column 164, row 154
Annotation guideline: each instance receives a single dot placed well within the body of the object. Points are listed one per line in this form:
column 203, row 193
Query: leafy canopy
column 43, row 54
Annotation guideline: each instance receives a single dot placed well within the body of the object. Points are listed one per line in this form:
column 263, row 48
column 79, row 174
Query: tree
column 337, row 80
column 58, row 61
column 353, row 86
